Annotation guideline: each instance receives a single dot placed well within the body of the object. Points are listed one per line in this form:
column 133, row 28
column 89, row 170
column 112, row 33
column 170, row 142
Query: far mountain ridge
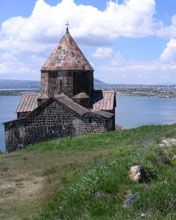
column 30, row 84
column 11, row 84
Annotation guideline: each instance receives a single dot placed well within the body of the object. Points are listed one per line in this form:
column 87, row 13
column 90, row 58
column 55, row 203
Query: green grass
column 107, row 140
column 87, row 177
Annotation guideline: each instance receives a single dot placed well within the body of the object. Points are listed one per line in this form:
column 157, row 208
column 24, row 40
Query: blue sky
column 130, row 41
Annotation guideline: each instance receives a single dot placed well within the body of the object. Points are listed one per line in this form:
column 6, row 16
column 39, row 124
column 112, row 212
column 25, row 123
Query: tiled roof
column 28, row 102
column 103, row 100
column 71, row 104
column 66, row 56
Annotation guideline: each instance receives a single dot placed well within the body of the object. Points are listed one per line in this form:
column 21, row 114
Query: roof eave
column 64, row 69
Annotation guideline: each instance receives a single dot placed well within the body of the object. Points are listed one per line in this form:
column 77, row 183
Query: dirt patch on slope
column 22, row 188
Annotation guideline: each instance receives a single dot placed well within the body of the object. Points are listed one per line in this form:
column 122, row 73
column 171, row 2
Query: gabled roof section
column 103, row 100
column 28, row 102
column 66, row 56
column 71, row 104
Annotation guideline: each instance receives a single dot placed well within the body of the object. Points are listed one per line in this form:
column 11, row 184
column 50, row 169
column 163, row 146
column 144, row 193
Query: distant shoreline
column 15, row 92
column 162, row 92
column 17, row 87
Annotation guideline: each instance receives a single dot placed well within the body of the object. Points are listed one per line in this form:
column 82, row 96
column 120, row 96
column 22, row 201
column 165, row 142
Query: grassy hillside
column 87, row 177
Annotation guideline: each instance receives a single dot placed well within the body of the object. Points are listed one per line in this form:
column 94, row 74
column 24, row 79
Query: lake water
column 131, row 111
column 8, row 105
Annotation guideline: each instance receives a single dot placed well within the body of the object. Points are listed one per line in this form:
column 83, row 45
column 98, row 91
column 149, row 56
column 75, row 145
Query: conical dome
column 66, row 56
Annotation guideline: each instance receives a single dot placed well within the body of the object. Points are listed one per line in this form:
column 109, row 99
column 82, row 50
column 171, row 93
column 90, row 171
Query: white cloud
column 118, row 59
column 169, row 31
column 15, row 67
column 26, row 41
column 117, row 69
column 169, row 54
column 133, row 18
column 103, row 53
column 4, row 57
column 137, row 73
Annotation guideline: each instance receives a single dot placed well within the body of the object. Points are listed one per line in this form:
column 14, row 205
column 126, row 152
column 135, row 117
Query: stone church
column 67, row 104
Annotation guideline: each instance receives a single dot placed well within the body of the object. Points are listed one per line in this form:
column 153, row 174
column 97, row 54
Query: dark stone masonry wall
column 92, row 123
column 55, row 83
column 52, row 120
column 68, row 82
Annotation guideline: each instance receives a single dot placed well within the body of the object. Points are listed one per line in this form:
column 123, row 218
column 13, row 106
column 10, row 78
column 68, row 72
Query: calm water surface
column 131, row 111
column 8, row 105
column 134, row 111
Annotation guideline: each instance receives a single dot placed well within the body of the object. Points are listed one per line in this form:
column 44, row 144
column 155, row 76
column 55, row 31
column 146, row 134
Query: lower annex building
column 67, row 104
